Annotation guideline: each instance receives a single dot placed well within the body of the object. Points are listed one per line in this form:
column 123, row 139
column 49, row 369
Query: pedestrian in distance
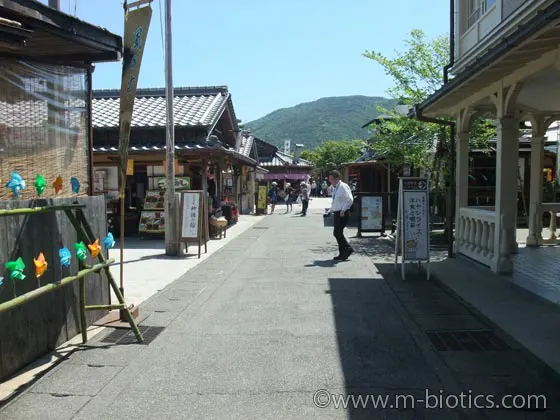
column 304, row 198
column 289, row 191
column 273, row 196
column 342, row 201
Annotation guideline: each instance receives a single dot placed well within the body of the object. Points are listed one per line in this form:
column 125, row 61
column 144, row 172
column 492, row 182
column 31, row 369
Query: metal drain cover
column 467, row 340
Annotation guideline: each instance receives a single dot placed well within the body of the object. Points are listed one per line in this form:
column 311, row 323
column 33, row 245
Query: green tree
column 417, row 72
column 332, row 154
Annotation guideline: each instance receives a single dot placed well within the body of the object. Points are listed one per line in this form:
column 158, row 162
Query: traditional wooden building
column 45, row 129
column 281, row 166
column 208, row 143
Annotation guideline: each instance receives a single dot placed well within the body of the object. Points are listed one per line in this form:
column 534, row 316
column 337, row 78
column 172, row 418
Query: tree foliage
column 417, row 72
column 332, row 154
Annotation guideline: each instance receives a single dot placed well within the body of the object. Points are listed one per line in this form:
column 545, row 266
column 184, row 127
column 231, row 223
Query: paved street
column 255, row 330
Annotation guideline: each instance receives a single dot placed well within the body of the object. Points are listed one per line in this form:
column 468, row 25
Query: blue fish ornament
column 75, row 185
column 16, row 184
column 65, row 257
column 108, row 241
column 1, row 281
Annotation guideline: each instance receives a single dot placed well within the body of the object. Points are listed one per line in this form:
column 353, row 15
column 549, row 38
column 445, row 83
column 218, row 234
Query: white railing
column 553, row 238
column 475, row 234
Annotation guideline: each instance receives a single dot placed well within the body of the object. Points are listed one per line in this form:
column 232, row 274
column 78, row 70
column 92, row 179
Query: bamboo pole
column 33, row 210
column 105, row 307
column 83, row 320
column 51, row 287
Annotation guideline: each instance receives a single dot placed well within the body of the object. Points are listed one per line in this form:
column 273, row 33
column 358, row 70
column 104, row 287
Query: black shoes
column 345, row 255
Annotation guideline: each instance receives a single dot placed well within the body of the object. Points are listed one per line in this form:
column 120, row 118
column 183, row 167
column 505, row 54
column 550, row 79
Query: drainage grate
column 125, row 336
column 464, row 340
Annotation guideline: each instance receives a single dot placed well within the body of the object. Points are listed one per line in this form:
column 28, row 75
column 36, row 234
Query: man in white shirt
column 342, row 201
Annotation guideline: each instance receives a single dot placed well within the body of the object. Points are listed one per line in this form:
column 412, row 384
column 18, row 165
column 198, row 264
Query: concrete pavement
column 269, row 321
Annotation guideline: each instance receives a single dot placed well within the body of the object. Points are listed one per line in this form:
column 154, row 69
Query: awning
column 277, row 177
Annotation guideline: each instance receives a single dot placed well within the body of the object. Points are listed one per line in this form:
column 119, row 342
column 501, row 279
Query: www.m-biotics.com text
column 431, row 400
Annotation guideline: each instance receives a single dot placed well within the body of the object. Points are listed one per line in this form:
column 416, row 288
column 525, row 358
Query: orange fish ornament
column 94, row 248
column 40, row 265
column 57, row 184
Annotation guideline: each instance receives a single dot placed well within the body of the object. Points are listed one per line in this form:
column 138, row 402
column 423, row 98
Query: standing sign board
column 192, row 226
column 262, row 197
column 413, row 226
column 372, row 217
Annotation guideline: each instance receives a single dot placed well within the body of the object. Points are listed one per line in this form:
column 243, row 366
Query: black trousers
column 304, row 206
column 338, row 232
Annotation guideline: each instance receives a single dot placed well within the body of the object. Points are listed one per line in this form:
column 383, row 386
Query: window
column 477, row 8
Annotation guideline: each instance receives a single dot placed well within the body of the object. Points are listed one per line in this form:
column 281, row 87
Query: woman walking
column 273, row 196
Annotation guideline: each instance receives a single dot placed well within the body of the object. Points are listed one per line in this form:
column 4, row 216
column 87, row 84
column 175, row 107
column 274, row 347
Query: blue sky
column 273, row 53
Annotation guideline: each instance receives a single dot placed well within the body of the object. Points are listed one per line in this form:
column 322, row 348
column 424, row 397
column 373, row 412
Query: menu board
column 261, row 204
column 415, row 217
column 371, row 213
column 154, row 200
column 191, row 213
column 152, row 222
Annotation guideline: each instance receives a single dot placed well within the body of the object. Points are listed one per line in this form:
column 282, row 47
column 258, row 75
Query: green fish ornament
column 16, row 269
column 40, row 185
column 81, row 251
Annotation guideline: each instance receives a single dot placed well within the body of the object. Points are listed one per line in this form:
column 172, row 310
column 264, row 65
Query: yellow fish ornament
column 40, row 265
column 94, row 248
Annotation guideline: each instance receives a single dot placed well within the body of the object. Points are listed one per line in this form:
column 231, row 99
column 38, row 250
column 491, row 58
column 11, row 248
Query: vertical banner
column 136, row 25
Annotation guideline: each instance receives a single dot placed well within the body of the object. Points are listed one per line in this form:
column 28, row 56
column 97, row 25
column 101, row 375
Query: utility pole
column 55, row 4
column 171, row 233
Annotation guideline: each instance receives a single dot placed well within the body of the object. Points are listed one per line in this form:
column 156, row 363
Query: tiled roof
column 283, row 159
column 246, row 145
column 188, row 147
column 192, row 107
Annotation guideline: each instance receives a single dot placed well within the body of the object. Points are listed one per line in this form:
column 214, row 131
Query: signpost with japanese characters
column 372, row 216
column 193, row 214
column 413, row 223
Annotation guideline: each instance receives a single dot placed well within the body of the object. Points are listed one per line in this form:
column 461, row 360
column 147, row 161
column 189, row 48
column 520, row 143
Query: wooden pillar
column 461, row 180
column 506, row 193
column 252, row 208
column 535, row 195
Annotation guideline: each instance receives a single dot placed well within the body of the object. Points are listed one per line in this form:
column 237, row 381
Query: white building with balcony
column 505, row 65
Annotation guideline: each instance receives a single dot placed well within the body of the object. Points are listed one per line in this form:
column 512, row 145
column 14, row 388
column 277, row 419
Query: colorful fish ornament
column 108, row 241
column 94, row 248
column 1, row 281
column 81, row 251
column 65, row 257
column 16, row 269
column 57, row 184
column 40, row 185
column 16, row 184
column 40, row 265
column 75, row 185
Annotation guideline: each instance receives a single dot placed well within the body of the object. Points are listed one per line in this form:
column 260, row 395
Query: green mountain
column 311, row 123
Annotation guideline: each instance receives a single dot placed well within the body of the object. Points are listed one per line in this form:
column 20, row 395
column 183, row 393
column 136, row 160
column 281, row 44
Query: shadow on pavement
column 323, row 263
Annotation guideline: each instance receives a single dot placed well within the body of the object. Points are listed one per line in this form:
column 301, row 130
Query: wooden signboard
column 413, row 223
column 372, row 216
column 261, row 203
column 194, row 218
